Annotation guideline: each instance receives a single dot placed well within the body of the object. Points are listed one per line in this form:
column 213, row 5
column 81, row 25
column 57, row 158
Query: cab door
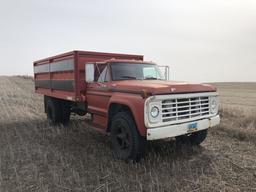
column 97, row 92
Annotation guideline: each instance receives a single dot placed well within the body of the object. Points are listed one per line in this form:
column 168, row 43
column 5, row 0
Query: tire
column 53, row 110
column 194, row 139
column 65, row 113
column 126, row 142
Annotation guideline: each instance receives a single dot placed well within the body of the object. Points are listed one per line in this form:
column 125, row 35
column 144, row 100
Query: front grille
column 180, row 109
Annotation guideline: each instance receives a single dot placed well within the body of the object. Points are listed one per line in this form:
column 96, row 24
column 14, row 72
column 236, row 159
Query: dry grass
column 239, row 124
column 241, row 96
column 37, row 157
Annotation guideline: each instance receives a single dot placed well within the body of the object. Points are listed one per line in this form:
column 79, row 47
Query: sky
column 201, row 40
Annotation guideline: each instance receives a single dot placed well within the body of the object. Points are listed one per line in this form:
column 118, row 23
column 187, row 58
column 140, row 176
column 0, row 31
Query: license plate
column 192, row 127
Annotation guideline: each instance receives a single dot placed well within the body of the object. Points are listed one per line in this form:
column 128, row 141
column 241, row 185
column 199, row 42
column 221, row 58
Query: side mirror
column 89, row 72
column 165, row 71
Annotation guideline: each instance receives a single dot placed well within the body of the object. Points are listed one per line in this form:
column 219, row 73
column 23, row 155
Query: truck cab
column 133, row 101
column 137, row 93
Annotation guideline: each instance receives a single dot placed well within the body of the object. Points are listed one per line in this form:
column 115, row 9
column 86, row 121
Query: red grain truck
column 128, row 98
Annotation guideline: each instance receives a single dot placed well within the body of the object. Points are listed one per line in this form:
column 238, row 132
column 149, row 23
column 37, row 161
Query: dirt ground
column 35, row 156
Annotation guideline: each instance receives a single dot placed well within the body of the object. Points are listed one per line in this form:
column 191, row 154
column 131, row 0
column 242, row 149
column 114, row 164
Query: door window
column 101, row 73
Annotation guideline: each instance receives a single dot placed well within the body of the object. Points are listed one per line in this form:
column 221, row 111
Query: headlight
column 154, row 111
column 214, row 105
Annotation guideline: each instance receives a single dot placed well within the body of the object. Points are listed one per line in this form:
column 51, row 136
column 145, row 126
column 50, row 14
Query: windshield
column 139, row 71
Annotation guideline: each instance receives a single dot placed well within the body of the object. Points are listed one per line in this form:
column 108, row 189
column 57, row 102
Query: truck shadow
column 172, row 151
column 163, row 147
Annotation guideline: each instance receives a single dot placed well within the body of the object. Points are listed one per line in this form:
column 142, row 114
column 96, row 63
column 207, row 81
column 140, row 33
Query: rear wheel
column 53, row 111
column 65, row 113
column 58, row 111
column 193, row 139
column 126, row 142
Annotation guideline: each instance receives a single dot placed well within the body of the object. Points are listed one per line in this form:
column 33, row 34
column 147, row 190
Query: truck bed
column 63, row 76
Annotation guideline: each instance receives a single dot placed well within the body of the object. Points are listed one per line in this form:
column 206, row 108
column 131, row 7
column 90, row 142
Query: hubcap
column 122, row 137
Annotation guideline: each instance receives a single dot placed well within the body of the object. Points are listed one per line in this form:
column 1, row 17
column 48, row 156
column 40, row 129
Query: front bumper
column 180, row 129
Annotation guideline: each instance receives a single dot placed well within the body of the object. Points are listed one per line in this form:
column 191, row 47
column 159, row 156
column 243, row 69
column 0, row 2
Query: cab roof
column 125, row 61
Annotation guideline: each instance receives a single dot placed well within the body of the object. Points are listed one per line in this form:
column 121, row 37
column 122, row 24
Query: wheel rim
column 122, row 137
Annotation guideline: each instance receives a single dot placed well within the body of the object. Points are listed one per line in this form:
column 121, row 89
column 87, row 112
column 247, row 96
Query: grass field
column 35, row 156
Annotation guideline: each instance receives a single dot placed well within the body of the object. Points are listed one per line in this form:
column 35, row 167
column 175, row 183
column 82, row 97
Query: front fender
column 136, row 104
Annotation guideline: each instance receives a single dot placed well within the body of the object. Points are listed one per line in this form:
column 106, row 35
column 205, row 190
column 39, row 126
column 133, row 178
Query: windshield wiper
column 150, row 78
column 129, row 77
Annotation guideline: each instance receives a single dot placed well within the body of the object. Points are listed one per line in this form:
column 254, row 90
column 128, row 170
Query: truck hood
column 157, row 87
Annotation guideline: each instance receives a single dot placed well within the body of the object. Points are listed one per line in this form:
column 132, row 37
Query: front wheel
column 193, row 139
column 126, row 142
